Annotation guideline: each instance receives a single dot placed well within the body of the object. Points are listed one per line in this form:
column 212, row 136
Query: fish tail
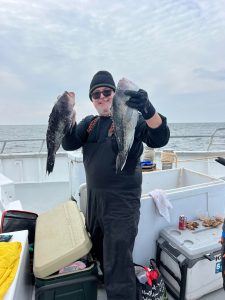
column 50, row 163
column 121, row 161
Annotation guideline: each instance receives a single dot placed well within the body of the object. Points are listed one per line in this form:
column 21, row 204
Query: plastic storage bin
column 60, row 239
column 190, row 193
column 75, row 286
column 190, row 261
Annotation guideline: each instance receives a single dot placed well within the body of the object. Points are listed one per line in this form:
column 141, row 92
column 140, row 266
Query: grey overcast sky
column 174, row 49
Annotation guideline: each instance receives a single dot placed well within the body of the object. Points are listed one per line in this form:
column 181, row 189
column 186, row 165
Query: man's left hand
column 139, row 100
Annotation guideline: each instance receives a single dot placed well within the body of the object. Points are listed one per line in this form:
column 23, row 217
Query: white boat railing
column 214, row 136
column 42, row 142
column 3, row 143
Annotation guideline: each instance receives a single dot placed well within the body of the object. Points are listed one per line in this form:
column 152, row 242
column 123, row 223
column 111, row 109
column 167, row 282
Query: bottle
column 140, row 274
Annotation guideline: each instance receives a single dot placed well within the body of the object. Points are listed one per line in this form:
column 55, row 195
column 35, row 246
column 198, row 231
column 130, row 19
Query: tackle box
column 60, row 239
column 190, row 261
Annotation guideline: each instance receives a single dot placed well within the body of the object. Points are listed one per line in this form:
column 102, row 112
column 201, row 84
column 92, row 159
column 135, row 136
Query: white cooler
column 190, row 261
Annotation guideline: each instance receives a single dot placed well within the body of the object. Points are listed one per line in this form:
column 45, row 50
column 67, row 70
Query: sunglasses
column 106, row 93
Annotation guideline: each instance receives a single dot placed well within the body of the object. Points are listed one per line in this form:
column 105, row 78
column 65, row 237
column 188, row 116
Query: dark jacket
column 154, row 138
column 100, row 150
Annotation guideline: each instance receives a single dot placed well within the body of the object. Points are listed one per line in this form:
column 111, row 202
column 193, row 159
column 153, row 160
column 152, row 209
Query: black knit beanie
column 102, row 78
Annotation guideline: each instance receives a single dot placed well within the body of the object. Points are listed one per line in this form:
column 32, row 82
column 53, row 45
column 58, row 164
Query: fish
column 59, row 124
column 124, row 121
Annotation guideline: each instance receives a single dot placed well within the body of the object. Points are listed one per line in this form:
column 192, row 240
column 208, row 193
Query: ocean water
column 202, row 130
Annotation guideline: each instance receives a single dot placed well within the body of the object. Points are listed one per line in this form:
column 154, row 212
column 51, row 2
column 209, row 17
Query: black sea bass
column 59, row 123
column 125, row 120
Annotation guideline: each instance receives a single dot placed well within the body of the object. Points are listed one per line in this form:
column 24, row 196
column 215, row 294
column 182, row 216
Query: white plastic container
column 190, row 194
column 193, row 257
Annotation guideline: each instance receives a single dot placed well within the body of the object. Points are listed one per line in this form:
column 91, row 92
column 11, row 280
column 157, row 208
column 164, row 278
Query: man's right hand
column 139, row 100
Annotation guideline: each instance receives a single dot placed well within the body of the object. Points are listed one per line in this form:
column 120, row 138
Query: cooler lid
column 60, row 239
column 194, row 244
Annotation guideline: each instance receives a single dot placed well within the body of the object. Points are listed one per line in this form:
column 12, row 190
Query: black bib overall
column 113, row 214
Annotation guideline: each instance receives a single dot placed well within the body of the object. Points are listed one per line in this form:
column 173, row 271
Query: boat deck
column 217, row 295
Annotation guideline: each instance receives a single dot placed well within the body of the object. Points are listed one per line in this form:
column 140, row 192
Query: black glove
column 139, row 100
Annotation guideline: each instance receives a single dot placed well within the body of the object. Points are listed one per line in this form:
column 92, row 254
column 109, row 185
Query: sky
column 174, row 49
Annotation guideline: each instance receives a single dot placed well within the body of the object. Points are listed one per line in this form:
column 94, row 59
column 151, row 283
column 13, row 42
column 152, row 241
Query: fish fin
column 121, row 161
column 50, row 163
column 68, row 128
column 129, row 114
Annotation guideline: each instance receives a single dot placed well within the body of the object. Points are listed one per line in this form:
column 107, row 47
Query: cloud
column 218, row 75
column 168, row 47
column 9, row 79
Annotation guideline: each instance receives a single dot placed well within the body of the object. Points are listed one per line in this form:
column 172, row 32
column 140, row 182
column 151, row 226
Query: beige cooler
column 60, row 239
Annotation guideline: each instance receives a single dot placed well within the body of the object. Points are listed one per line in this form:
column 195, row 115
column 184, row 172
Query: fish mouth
column 71, row 94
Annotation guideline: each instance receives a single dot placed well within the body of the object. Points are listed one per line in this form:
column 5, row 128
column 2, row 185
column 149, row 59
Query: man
column 114, row 198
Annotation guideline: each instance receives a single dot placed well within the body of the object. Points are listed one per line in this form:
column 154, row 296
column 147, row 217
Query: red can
column 182, row 222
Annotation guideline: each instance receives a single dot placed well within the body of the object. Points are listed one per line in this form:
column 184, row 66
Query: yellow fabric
column 9, row 260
